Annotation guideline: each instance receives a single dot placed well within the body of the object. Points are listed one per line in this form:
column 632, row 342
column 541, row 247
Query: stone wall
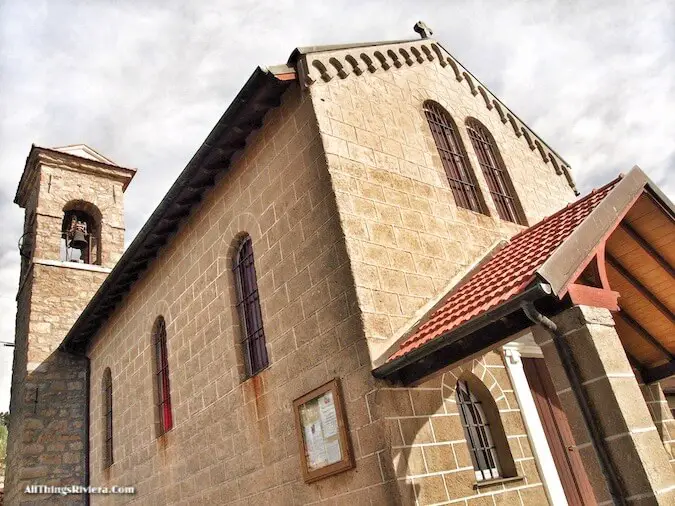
column 330, row 307
column 661, row 415
column 48, row 406
column 405, row 235
column 234, row 439
column 408, row 241
column 47, row 433
column 430, row 455
column 58, row 187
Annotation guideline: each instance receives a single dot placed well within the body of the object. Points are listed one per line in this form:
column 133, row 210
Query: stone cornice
column 329, row 63
column 72, row 265
column 39, row 156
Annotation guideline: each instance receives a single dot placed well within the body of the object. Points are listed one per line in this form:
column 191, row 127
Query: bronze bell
column 78, row 241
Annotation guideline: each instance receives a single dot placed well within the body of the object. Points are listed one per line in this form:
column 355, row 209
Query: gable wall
column 407, row 240
column 405, row 236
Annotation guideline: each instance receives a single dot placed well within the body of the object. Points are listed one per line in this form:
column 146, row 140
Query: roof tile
column 506, row 274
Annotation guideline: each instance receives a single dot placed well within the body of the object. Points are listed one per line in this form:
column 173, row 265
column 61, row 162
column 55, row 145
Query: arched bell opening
column 81, row 234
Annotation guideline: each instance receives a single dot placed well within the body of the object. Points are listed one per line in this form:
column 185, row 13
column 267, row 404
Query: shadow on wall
column 430, row 456
column 51, row 424
column 661, row 415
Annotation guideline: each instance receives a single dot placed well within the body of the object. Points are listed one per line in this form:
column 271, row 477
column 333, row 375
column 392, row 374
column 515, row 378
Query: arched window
column 80, row 233
column 483, row 430
column 107, row 419
column 162, row 387
column 453, row 156
column 248, row 304
column 496, row 175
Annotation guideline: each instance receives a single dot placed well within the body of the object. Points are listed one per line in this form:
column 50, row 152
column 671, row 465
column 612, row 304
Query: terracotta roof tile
column 506, row 274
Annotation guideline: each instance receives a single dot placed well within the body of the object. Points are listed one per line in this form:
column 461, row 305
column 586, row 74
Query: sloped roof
column 510, row 270
column 628, row 217
column 261, row 93
column 84, row 151
column 245, row 114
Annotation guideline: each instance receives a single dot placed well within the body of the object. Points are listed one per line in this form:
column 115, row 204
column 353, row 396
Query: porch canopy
column 613, row 248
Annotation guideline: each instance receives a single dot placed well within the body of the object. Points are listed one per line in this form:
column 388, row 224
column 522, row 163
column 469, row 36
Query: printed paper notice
column 320, row 432
column 328, row 415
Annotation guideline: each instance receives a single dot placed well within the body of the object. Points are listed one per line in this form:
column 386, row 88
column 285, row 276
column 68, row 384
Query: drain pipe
column 572, row 372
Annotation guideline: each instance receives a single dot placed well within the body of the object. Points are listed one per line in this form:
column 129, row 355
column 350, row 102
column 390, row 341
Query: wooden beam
column 640, row 287
column 643, row 333
column 590, row 296
column 634, row 362
column 648, row 248
column 658, row 373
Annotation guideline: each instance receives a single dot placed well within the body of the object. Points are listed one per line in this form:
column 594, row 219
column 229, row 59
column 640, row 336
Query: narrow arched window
column 107, row 419
column 485, row 436
column 248, row 305
column 494, row 170
column 453, row 156
column 162, row 385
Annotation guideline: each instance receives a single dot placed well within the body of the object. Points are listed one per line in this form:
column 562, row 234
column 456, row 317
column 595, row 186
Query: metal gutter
column 537, row 290
column 261, row 92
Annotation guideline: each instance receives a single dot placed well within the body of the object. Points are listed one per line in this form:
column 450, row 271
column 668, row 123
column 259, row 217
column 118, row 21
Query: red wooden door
column 572, row 474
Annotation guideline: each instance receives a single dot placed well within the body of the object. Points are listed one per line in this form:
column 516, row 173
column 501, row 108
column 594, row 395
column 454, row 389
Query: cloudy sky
column 143, row 82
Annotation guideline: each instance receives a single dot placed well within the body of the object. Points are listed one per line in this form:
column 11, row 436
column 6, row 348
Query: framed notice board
column 321, row 427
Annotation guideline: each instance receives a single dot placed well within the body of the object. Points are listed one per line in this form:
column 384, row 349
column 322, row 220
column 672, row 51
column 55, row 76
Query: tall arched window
column 107, row 419
column 453, row 156
column 248, row 304
column 485, row 436
column 162, row 386
column 496, row 175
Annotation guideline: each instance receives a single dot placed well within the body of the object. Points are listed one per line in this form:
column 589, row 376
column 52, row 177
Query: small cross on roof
column 424, row 30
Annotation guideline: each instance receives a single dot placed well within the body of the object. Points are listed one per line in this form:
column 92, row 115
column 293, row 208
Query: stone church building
column 367, row 218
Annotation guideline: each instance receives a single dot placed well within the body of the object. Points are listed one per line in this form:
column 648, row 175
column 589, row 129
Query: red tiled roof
column 506, row 274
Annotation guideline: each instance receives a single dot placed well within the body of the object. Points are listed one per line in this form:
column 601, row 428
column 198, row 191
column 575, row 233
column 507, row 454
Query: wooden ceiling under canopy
column 639, row 259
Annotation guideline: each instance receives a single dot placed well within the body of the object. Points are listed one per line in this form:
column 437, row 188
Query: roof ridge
column 575, row 203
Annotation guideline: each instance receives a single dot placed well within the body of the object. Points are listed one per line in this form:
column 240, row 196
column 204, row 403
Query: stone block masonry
column 405, row 235
column 354, row 228
column 233, row 440
column 47, row 442
column 636, row 452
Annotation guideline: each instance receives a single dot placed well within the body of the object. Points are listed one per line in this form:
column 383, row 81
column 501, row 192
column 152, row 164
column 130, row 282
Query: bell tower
column 73, row 235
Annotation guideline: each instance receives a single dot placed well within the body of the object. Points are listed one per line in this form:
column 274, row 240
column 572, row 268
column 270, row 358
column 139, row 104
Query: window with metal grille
column 107, row 419
column 453, row 156
column 478, row 433
column 495, row 172
column 162, row 386
column 248, row 305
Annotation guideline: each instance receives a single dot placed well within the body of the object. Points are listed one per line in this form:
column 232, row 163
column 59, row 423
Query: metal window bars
column 494, row 171
column 248, row 305
column 456, row 166
column 162, row 378
column 477, row 432
column 108, row 415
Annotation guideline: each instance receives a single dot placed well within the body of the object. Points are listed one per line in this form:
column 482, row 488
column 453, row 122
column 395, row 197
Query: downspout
column 572, row 372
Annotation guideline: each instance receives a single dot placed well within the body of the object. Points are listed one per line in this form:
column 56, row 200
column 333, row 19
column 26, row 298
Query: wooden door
column 572, row 474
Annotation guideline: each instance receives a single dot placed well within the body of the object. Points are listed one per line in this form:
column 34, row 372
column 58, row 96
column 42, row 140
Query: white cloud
column 145, row 81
